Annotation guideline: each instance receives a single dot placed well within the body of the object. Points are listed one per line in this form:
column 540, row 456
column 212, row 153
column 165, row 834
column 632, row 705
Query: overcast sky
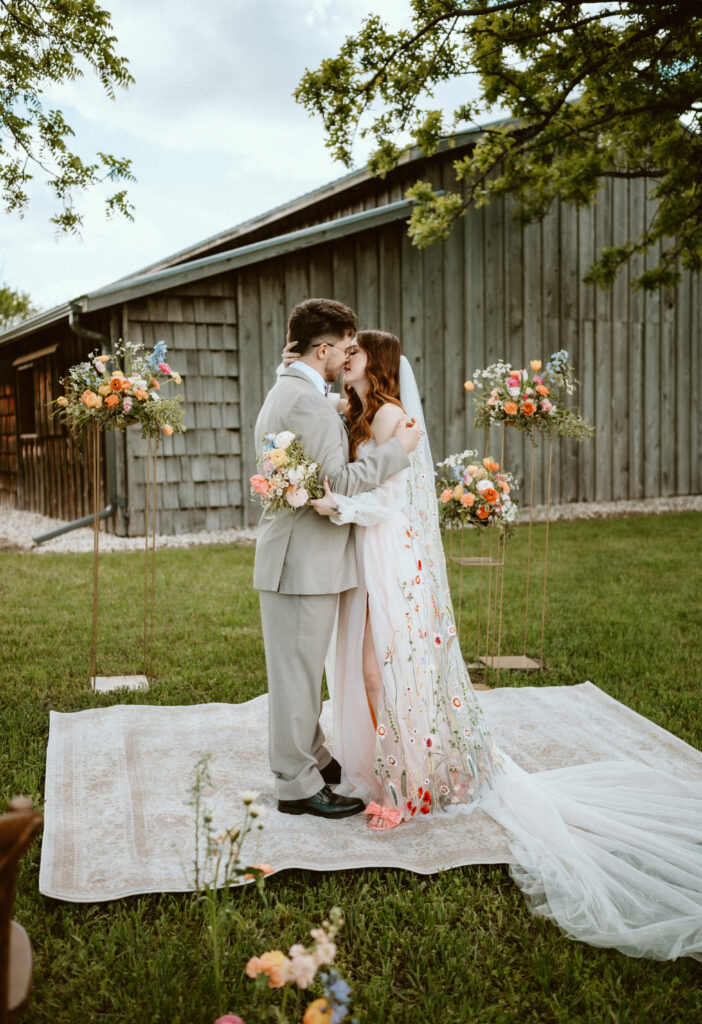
column 210, row 125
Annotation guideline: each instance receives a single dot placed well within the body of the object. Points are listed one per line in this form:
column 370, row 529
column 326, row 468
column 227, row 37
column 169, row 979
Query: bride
column 611, row 851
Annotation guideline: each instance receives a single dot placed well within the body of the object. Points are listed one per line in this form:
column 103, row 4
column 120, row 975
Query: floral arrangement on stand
column 474, row 493
column 531, row 401
column 100, row 393
column 288, row 477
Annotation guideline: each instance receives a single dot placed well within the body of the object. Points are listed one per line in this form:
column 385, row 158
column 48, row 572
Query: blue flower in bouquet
column 158, row 355
column 338, row 993
column 558, row 362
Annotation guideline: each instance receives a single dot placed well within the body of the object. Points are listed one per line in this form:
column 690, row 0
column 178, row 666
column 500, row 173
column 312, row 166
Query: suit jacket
column 302, row 552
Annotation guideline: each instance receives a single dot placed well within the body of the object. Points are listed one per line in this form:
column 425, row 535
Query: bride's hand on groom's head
column 289, row 353
column 327, row 505
column 407, row 432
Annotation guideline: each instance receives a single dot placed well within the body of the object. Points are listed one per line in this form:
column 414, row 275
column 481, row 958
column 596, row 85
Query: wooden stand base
column 516, row 663
column 105, row 683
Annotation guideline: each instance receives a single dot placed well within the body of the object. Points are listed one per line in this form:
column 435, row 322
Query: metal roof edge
column 35, row 323
column 173, row 277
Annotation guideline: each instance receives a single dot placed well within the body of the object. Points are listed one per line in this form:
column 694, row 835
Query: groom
column 303, row 561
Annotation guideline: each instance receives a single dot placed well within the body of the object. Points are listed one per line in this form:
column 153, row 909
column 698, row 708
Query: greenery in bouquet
column 288, row 477
column 530, row 400
column 101, row 392
column 474, row 492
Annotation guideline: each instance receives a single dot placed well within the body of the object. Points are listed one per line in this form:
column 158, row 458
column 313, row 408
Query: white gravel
column 17, row 529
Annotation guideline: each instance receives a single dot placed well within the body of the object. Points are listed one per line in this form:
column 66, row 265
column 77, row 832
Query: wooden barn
column 494, row 289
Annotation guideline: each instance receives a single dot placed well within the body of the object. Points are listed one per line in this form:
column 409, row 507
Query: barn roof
column 229, row 249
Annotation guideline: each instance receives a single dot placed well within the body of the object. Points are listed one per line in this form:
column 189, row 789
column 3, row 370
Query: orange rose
column 511, row 408
column 126, row 384
column 468, row 500
column 542, row 389
column 491, row 465
column 528, row 407
column 483, row 513
column 490, row 495
column 446, row 495
column 112, row 400
column 140, row 393
column 116, row 383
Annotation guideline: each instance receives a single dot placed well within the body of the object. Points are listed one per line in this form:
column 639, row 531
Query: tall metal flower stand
column 143, row 680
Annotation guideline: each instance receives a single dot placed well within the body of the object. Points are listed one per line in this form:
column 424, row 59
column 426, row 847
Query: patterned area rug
column 118, row 822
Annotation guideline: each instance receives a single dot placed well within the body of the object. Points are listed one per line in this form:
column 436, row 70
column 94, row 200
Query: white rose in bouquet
column 283, row 439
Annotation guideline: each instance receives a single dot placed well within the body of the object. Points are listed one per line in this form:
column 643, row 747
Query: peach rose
column 167, row 429
column 511, row 408
column 446, row 495
column 126, row 384
column 90, row 400
column 504, row 487
column 528, row 407
column 140, row 393
column 468, row 500
column 458, row 491
column 62, row 401
column 259, row 484
column 274, row 964
column 112, row 400
column 155, row 384
column 469, row 385
column 278, row 457
column 105, row 389
column 535, row 364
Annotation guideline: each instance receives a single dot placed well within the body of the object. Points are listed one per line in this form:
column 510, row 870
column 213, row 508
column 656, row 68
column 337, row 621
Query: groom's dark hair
column 315, row 318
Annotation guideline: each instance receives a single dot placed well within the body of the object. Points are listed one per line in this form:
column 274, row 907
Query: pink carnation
column 165, row 368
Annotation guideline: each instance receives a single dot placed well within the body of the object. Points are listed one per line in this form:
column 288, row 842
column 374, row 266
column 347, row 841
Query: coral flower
column 116, row 382
column 274, row 964
column 490, row 495
column 491, row 465
column 446, row 495
column 167, row 429
column 511, row 408
column 112, row 400
column 542, row 389
column 504, row 487
column 469, row 385
column 126, row 384
column 259, row 484
column 467, row 500
column 90, row 400
column 528, row 407
column 318, row 1012
column 483, row 513
column 140, row 393
column 535, row 364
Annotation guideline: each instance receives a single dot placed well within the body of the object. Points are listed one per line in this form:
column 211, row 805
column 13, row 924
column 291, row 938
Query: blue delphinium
column 158, row 355
column 338, row 994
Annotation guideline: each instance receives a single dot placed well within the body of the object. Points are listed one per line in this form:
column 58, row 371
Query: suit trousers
column 297, row 630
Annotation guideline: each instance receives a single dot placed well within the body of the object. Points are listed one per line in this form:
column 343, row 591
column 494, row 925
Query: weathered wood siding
column 199, row 471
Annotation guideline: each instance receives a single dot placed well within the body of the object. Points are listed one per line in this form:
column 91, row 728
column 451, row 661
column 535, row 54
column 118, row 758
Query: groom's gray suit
column 303, row 561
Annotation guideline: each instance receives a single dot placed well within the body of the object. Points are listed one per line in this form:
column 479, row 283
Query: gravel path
column 17, row 529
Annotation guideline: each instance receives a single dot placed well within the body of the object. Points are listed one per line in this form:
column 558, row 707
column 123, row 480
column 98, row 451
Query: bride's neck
column 361, row 390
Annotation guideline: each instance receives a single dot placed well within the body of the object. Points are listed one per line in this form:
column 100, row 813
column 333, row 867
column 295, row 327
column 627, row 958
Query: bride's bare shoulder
column 384, row 422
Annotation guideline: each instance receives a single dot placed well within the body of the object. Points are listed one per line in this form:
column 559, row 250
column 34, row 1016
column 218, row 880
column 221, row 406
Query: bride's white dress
column 610, row 851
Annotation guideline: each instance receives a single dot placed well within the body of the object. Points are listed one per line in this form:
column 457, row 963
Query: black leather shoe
column 324, row 804
column 331, row 773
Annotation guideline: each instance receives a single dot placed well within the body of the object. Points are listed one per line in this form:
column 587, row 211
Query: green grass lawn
column 624, row 610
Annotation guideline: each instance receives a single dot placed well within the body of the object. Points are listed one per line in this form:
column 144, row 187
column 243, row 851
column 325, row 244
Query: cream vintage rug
column 118, row 823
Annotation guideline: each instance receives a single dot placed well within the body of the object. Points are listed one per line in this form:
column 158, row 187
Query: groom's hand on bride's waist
column 407, row 433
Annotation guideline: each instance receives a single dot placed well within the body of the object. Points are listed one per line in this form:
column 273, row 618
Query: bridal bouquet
column 474, row 493
column 531, row 400
column 288, row 477
column 100, row 392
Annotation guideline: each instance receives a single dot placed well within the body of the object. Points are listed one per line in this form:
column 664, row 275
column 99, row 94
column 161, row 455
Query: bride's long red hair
column 383, row 374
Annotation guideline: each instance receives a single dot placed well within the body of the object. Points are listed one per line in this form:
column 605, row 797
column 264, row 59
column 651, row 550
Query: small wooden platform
column 513, row 663
column 106, row 683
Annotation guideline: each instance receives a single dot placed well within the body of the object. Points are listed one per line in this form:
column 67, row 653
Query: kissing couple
column 611, row 851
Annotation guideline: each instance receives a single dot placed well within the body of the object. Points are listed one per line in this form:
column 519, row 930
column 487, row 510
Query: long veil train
column 610, row 851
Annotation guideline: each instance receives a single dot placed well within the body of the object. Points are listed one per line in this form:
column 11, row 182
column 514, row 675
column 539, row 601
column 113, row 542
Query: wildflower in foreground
column 318, row 1012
